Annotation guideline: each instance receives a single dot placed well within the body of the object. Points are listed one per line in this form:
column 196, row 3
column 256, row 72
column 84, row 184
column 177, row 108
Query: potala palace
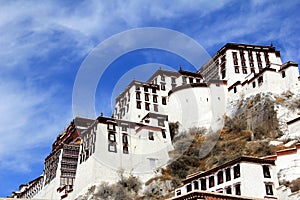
column 137, row 139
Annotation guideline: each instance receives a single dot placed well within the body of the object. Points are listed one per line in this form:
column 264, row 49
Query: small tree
column 173, row 129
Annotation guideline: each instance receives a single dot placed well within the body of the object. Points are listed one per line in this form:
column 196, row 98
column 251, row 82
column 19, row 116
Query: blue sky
column 44, row 44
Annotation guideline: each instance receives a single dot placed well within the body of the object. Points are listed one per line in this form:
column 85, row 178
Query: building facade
column 245, row 176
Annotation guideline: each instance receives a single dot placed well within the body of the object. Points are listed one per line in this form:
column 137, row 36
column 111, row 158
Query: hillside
column 257, row 127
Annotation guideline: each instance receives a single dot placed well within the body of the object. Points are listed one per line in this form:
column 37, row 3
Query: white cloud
column 25, row 123
column 31, row 30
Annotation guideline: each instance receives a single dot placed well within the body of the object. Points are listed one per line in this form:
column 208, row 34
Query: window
column 146, row 88
column 154, row 98
column 220, row 177
column 162, row 78
column 138, row 105
column 250, row 56
column 266, row 57
column 196, row 185
column 242, row 55
column 163, row 87
column 269, row 189
column 243, row 64
column 266, row 171
column 234, row 55
column 223, row 74
column 238, row 189
column 125, row 149
column 137, row 87
column 183, row 80
column 112, row 148
column 125, row 139
column 260, row 80
column 188, row 187
column 228, row 190
column 203, row 184
column 154, row 90
column 161, row 122
column 228, row 175
column 191, row 80
column 147, row 106
column 111, row 137
column 244, row 70
column 236, row 171
column 235, row 62
column 197, row 80
column 211, row 181
column 252, row 70
column 253, row 84
column 283, row 74
column 259, row 65
column 163, row 132
column 258, row 57
column 164, row 101
column 124, row 128
column 111, row 127
column 173, row 80
column 138, row 95
column 236, row 70
column 234, row 89
column 251, row 64
column 146, row 97
column 151, row 136
column 155, row 107
column 178, row 192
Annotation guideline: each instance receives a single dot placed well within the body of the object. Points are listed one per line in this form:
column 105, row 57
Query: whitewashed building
column 244, row 176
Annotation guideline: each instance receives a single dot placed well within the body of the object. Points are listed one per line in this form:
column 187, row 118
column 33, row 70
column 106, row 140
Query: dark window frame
column 125, row 149
column 146, row 97
column 139, row 105
column 154, row 98
column 220, row 176
column 112, row 137
column 151, row 135
column 266, row 171
column 211, row 181
column 269, row 189
column 236, row 70
column 164, row 100
column 236, row 171
column 228, row 174
column 112, row 145
column 147, row 106
column 237, row 189
column 188, row 187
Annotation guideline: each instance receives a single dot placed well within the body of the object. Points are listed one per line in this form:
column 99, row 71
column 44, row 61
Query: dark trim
column 239, row 46
column 163, row 72
column 235, row 84
column 293, row 121
column 287, row 65
column 261, row 73
column 155, row 116
column 181, row 87
column 216, row 81
column 188, row 73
